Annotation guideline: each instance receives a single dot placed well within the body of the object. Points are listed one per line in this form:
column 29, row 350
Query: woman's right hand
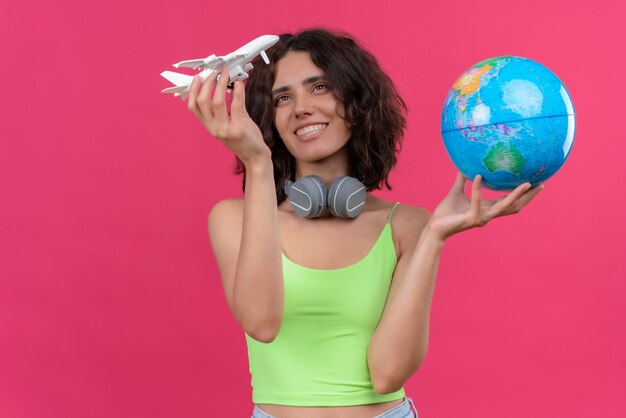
column 235, row 130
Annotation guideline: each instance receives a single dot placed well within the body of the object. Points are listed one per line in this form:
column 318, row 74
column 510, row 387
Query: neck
column 328, row 169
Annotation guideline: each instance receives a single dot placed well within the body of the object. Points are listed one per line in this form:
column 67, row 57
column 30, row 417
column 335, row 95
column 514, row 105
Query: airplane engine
column 248, row 67
column 238, row 73
column 209, row 59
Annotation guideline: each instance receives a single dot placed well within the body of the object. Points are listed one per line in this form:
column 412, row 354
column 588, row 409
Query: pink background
column 110, row 300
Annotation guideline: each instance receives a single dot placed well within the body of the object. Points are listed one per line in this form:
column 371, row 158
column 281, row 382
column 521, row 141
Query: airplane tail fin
column 181, row 81
column 177, row 79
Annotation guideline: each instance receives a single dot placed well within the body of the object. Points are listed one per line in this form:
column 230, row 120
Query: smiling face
column 307, row 114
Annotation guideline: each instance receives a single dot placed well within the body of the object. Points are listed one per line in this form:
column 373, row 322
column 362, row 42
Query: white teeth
column 311, row 129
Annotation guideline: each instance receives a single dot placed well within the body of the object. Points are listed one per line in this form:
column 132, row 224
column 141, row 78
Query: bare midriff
column 357, row 411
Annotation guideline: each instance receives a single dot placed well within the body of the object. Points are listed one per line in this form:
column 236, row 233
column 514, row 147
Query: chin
column 319, row 150
column 314, row 157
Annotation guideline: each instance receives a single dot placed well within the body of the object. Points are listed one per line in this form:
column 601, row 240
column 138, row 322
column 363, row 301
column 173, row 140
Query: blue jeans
column 405, row 410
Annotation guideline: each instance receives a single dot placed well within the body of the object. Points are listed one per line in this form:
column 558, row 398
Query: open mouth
column 311, row 130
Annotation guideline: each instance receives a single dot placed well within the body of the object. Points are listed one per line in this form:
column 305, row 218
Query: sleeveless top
column 319, row 357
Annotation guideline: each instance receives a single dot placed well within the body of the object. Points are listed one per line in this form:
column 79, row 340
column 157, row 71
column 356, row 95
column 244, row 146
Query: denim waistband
column 405, row 410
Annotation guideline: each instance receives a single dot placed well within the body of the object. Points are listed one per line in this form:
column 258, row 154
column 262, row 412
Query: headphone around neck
column 309, row 197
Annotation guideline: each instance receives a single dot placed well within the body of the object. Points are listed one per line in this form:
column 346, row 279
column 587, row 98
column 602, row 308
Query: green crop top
column 319, row 357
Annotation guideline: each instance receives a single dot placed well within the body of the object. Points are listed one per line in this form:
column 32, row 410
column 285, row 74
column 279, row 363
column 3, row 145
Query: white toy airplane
column 238, row 63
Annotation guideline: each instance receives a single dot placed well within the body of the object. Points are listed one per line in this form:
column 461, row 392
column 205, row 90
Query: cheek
column 340, row 111
column 281, row 122
column 345, row 128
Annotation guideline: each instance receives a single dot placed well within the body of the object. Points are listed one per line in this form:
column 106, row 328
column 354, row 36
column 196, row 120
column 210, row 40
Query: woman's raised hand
column 457, row 213
column 235, row 129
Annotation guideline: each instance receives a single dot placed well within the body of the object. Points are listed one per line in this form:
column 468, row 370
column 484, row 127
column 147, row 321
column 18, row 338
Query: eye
column 278, row 100
column 320, row 87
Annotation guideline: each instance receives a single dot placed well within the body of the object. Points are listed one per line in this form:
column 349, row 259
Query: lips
column 310, row 130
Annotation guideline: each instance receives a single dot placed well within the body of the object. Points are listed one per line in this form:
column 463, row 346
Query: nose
column 302, row 106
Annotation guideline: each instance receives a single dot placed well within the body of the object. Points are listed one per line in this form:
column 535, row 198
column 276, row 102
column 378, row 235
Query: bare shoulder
column 407, row 225
column 406, row 215
column 228, row 204
column 227, row 210
column 225, row 226
column 406, row 219
column 225, row 223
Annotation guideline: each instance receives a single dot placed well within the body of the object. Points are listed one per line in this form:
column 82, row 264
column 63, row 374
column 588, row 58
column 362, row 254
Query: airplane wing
column 211, row 62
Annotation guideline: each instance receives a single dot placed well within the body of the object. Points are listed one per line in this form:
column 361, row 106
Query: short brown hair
column 373, row 108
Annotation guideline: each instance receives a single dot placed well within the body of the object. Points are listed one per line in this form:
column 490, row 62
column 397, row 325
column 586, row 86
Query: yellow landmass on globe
column 469, row 82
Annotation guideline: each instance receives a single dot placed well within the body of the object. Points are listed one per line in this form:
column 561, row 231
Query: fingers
column 514, row 201
column 505, row 203
column 459, row 182
column 204, row 97
column 238, row 105
column 527, row 197
column 218, row 105
column 194, row 89
column 477, row 201
column 212, row 111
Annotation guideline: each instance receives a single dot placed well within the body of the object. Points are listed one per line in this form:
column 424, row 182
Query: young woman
column 333, row 288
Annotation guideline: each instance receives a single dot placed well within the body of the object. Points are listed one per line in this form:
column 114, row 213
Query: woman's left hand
column 457, row 213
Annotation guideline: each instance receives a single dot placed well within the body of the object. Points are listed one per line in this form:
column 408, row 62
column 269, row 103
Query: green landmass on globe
column 501, row 158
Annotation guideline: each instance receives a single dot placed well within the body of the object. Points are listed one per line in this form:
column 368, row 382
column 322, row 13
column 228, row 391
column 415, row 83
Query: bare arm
column 400, row 341
column 245, row 237
column 399, row 345
column 246, row 244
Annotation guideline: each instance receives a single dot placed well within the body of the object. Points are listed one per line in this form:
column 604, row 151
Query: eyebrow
column 306, row 81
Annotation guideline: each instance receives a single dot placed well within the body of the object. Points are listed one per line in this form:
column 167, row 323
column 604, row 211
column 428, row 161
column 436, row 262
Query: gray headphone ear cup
column 308, row 197
column 346, row 197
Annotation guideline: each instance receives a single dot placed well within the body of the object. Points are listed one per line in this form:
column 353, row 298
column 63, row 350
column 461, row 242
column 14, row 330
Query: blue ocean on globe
column 509, row 119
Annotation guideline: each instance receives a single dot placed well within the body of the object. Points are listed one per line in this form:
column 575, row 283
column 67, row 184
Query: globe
column 509, row 119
